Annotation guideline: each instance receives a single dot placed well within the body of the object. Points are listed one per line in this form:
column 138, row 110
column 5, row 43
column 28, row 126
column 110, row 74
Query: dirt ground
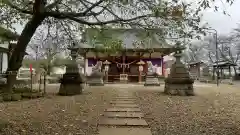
column 213, row 111
column 55, row 115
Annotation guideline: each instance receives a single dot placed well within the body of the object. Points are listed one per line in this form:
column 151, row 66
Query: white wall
column 86, row 66
column 59, row 70
column 5, row 45
column 89, row 71
column 4, row 62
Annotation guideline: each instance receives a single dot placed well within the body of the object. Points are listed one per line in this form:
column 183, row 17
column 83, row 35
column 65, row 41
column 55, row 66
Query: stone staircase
column 123, row 117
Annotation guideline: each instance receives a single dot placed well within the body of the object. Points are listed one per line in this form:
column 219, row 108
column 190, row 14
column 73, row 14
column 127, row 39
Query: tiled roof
column 224, row 63
column 128, row 36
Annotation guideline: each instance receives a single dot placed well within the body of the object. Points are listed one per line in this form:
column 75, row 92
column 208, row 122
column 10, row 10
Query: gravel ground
column 55, row 115
column 213, row 111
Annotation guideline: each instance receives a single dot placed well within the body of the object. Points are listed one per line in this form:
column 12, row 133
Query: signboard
column 123, row 77
column 30, row 67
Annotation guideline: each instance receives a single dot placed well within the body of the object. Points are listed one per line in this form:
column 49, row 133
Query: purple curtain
column 91, row 61
column 154, row 61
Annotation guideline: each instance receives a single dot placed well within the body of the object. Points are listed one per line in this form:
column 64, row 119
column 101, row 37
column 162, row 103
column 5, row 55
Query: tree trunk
column 48, row 69
column 15, row 61
column 235, row 71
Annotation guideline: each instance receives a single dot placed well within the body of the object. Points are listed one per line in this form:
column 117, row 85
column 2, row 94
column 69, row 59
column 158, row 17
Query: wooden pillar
column 229, row 68
column 2, row 62
column 162, row 65
column 107, row 77
column 123, row 62
column 199, row 70
column 85, row 63
column 140, row 73
column 222, row 75
column 213, row 77
column 140, row 77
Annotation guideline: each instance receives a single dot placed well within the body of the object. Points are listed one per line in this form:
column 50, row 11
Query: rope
column 126, row 64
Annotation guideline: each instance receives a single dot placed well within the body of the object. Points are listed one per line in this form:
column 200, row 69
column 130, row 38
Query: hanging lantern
column 141, row 62
column 140, row 67
column 106, row 63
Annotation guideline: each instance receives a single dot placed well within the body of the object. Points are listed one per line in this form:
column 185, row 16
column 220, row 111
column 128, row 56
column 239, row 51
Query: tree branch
column 237, row 57
column 210, row 57
column 61, row 15
column 107, row 22
column 10, row 4
column 222, row 54
column 85, row 5
column 50, row 6
column 93, row 6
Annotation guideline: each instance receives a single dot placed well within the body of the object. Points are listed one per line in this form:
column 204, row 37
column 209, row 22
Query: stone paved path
column 123, row 117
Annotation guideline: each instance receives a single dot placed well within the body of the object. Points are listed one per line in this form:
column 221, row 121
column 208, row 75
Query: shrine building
column 132, row 59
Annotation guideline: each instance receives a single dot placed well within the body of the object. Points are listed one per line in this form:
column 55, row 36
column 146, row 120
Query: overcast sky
column 222, row 23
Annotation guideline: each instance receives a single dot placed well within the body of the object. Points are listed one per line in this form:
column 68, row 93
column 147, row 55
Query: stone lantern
column 179, row 81
column 72, row 81
column 106, row 64
column 140, row 69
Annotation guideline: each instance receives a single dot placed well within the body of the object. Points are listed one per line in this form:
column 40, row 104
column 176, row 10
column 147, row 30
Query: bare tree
column 46, row 46
column 228, row 49
column 196, row 52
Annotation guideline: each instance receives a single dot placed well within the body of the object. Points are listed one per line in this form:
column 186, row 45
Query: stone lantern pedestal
column 151, row 80
column 179, row 81
column 96, row 79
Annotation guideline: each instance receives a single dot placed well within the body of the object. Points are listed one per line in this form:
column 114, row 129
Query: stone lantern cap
column 141, row 62
column 106, row 62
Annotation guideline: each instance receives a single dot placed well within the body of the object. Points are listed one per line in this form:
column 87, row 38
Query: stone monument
column 96, row 78
column 151, row 76
column 179, row 81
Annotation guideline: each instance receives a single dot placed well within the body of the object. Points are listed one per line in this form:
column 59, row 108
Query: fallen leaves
column 76, row 115
column 207, row 113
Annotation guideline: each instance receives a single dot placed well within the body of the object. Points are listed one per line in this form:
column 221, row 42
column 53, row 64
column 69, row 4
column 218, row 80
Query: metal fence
column 33, row 81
